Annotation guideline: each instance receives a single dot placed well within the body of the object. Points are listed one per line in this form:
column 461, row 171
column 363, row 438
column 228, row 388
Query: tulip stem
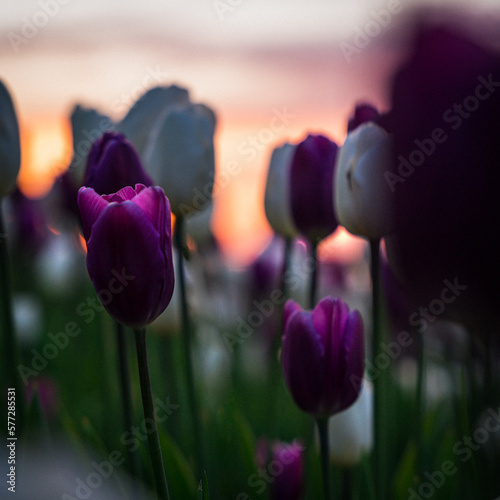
column 379, row 382
column 420, row 406
column 149, row 416
column 125, row 388
column 322, row 424
column 9, row 347
column 314, row 275
column 186, row 333
column 347, row 484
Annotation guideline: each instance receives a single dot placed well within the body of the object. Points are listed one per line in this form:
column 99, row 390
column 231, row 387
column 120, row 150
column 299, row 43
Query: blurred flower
column 129, row 257
column 277, row 202
column 363, row 202
column 312, row 187
column 323, row 356
column 60, row 265
column 444, row 173
column 113, row 164
column 198, row 227
column 363, row 113
column 87, row 126
column 45, row 389
column 284, row 463
column 142, row 118
column 10, row 150
column 351, row 431
column 27, row 309
column 27, row 225
column 180, row 156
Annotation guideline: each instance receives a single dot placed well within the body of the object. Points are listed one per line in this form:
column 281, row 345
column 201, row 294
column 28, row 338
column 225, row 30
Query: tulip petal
column 91, row 205
column 124, row 243
column 303, row 360
column 354, row 358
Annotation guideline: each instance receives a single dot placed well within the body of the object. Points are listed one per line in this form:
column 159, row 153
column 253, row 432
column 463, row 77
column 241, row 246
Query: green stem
column 274, row 377
column 314, row 275
column 186, row 334
column 322, row 424
column 347, row 484
column 379, row 382
column 420, row 407
column 8, row 333
column 125, row 389
column 149, row 416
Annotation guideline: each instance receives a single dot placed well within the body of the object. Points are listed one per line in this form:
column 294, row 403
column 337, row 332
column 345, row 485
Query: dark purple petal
column 323, row 356
column 113, row 164
column 446, row 208
column 354, row 360
column 91, row 205
column 362, row 113
column 303, row 361
column 311, row 187
column 289, row 484
column 127, row 265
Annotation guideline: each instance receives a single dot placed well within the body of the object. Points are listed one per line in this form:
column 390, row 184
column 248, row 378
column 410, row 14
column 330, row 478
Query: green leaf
column 203, row 493
column 180, row 478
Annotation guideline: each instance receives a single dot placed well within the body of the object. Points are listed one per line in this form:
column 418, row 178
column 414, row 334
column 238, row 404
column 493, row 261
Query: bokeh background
column 247, row 59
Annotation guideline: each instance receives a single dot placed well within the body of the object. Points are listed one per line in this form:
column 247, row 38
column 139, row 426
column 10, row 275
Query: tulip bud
column 87, row 126
column 312, row 187
column 362, row 197
column 10, row 149
column 351, row 431
column 277, row 197
column 284, row 465
column 113, row 164
column 141, row 119
column 323, row 356
column 362, row 113
column 180, row 156
column 129, row 256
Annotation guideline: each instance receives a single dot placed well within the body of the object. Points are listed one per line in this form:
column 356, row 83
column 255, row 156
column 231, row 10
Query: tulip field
column 140, row 362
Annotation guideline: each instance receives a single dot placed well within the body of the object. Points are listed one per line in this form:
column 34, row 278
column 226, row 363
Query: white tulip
column 180, row 156
column 277, row 202
column 87, row 126
column 362, row 195
column 10, row 150
column 351, row 431
column 142, row 118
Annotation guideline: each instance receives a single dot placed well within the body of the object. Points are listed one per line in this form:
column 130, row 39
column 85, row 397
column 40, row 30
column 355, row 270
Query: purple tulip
column 284, row 464
column 288, row 458
column 312, row 187
column 113, row 164
column 445, row 176
column 323, row 356
column 129, row 251
column 363, row 113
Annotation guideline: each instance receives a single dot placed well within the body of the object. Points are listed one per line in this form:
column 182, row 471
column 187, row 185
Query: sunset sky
column 250, row 60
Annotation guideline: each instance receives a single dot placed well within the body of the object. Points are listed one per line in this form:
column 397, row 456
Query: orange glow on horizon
column 45, row 154
column 239, row 222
